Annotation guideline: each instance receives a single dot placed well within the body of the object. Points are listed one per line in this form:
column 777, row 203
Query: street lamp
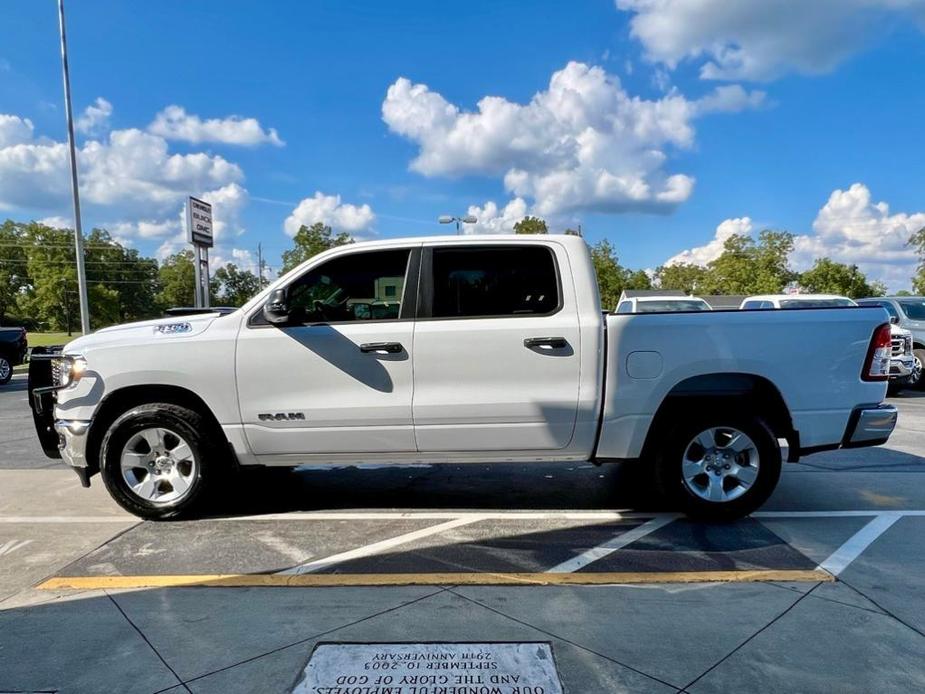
column 449, row 219
column 78, row 232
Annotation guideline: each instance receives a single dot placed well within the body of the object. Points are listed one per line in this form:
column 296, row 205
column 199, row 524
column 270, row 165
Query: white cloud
column 130, row 173
column 701, row 255
column 329, row 210
column 15, row 130
column 174, row 123
column 57, row 222
column 851, row 228
column 492, row 220
column 760, row 40
column 582, row 144
column 95, row 117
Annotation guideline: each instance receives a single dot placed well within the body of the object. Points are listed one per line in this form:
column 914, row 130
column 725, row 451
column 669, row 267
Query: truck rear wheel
column 718, row 466
column 156, row 461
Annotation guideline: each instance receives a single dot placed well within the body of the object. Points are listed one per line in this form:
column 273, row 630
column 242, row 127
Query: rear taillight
column 877, row 365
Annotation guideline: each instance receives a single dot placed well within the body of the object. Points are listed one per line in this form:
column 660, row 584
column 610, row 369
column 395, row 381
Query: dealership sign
column 199, row 222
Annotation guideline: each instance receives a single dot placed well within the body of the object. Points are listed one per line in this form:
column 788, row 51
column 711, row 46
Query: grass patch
column 48, row 339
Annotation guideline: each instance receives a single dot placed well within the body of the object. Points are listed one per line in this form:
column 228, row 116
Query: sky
column 662, row 125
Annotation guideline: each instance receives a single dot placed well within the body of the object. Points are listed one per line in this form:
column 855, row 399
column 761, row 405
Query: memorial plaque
column 430, row 668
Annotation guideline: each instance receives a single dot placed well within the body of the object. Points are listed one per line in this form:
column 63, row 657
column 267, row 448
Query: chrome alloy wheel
column 158, row 465
column 6, row 369
column 720, row 464
column 916, row 371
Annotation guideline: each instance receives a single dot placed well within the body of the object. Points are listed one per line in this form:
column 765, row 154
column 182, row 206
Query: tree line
column 38, row 277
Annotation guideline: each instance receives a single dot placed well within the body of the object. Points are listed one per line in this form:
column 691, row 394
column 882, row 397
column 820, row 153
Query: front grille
column 898, row 346
column 57, row 370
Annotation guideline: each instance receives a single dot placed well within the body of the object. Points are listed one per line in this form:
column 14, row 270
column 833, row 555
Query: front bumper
column 72, row 443
column 870, row 426
column 901, row 367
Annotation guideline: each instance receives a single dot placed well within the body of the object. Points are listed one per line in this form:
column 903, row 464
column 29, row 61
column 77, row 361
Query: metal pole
column 78, row 232
column 197, row 261
column 205, row 278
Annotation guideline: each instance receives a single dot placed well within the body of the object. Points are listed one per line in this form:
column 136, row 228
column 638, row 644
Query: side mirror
column 894, row 320
column 276, row 308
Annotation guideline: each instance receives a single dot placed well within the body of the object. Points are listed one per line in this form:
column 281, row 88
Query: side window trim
column 425, row 299
column 410, row 292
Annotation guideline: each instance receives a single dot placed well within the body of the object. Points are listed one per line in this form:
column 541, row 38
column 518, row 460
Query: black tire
column 6, row 370
column 668, row 465
column 918, row 383
column 194, row 430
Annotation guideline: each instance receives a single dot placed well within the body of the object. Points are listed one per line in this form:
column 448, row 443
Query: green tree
column 747, row 266
column 685, row 277
column 531, row 225
column 917, row 241
column 613, row 278
column 176, row 279
column 235, row 286
column 310, row 241
column 829, row 277
column 14, row 275
column 129, row 278
column 903, row 292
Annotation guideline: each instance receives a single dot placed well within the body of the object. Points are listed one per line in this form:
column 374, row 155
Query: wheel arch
column 739, row 390
column 117, row 402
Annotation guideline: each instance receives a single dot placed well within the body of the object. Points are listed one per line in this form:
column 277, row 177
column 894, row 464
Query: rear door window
column 494, row 282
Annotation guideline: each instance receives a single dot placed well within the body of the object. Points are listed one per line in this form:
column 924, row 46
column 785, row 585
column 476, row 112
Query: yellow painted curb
column 412, row 579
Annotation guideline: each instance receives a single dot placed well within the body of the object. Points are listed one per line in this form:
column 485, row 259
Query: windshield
column 913, row 308
column 670, row 305
column 815, row 303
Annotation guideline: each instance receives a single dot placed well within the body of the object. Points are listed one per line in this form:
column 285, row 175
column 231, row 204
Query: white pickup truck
column 456, row 350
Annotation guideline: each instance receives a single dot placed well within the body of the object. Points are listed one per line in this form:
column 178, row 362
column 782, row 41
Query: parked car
column 902, row 361
column 13, row 348
column 909, row 312
column 500, row 352
column 662, row 304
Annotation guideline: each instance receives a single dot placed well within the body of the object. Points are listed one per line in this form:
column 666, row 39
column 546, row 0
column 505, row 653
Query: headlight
column 68, row 370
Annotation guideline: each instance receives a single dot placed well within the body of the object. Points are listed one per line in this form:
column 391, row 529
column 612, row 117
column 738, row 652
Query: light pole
column 449, row 219
column 78, row 232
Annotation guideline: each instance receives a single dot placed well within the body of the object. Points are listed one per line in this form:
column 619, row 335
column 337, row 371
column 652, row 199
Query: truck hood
column 144, row 332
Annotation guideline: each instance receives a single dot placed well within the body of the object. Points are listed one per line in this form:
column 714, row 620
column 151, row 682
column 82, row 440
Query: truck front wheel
column 718, row 467
column 155, row 460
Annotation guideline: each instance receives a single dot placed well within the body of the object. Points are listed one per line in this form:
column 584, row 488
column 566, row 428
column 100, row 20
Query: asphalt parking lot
column 821, row 590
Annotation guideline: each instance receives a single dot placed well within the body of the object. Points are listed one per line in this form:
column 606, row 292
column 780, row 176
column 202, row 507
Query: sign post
column 199, row 233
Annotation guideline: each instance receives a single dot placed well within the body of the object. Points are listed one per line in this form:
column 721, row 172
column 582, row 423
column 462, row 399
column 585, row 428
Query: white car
column 902, row 361
column 496, row 352
column 662, row 304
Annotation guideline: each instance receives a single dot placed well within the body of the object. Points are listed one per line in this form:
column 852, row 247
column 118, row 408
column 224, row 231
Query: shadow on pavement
column 445, row 486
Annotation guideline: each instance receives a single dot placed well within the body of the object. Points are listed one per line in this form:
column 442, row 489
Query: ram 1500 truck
column 461, row 350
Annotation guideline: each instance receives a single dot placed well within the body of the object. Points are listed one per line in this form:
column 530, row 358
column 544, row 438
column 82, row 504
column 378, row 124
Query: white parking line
column 378, row 547
column 69, row 519
column 611, row 546
column 857, row 543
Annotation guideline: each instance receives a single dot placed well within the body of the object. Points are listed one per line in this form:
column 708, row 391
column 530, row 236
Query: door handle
column 389, row 347
column 554, row 342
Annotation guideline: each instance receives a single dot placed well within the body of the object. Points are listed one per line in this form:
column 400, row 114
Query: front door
column 337, row 378
column 496, row 350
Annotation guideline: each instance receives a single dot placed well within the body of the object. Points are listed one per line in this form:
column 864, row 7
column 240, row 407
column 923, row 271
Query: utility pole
column 78, row 232
column 260, row 264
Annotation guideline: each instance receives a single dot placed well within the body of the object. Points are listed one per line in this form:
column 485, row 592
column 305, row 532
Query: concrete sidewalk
column 695, row 637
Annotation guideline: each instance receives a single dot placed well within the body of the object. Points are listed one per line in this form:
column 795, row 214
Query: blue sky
column 817, row 127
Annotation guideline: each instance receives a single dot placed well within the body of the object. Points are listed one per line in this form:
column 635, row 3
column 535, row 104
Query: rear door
column 496, row 349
